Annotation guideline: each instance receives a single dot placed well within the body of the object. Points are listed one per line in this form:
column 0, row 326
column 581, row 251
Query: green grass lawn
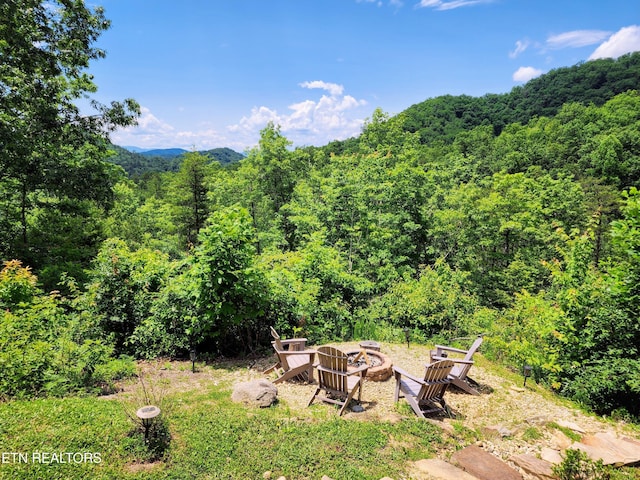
column 211, row 438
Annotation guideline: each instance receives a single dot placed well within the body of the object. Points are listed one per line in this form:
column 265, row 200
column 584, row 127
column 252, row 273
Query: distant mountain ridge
column 156, row 152
column 163, row 152
column 134, row 149
column 136, row 161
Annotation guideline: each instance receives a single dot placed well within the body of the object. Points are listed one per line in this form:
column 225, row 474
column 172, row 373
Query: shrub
column 114, row 369
column 227, row 290
column 213, row 300
column 436, row 303
column 168, row 331
column 606, row 385
column 312, row 291
column 49, row 348
column 528, row 333
column 125, row 285
column 577, row 466
column 17, row 284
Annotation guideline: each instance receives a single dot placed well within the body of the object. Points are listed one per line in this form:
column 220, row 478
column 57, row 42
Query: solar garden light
column 146, row 415
column 526, row 373
column 192, row 357
column 407, row 335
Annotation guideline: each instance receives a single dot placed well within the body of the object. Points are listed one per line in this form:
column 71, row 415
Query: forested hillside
column 440, row 119
column 517, row 216
column 139, row 163
column 594, row 82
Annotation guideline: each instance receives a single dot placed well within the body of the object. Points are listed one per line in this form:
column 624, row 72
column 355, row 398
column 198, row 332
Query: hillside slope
column 504, row 420
column 166, row 160
column 596, row 81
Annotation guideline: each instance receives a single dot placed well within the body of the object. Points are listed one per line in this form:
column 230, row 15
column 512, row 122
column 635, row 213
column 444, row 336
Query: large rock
column 551, row 455
column 534, row 466
column 255, row 393
column 610, row 449
column 434, row 468
column 481, row 464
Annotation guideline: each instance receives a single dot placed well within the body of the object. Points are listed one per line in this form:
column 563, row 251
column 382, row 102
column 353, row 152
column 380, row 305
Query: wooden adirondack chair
column 463, row 362
column 425, row 396
column 338, row 383
column 294, row 361
column 291, row 343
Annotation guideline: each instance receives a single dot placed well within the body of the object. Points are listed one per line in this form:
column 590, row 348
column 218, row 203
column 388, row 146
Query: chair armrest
column 293, row 341
column 362, row 368
column 359, row 370
column 398, row 372
column 454, row 360
column 449, row 349
column 320, row 368
column 298, row 352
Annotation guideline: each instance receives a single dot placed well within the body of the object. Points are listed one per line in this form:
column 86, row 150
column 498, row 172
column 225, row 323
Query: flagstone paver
column 436, row 469
column 612, row 450
column 485, row 466
column 534, row 466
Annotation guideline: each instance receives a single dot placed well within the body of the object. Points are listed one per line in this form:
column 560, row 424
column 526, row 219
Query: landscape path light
column 146, row 414
column 192, row 357
column 526, row 373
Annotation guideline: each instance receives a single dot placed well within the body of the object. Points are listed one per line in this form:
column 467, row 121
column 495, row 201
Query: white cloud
column 332, row 88
column 314, row 121
column 151, row 132
column 521, row 46
column 576, row 38
column 625, row 40
column 524, row 74
column 149, row 123
column 310, row 122
column 450, row 4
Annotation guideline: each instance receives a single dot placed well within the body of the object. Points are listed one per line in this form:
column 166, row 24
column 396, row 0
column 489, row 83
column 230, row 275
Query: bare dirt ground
column 502, row 418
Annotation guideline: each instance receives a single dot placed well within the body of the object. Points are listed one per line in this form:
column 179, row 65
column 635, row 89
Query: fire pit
column 380, row 366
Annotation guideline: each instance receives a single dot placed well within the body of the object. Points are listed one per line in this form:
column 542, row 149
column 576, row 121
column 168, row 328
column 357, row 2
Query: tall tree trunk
column 23, row 213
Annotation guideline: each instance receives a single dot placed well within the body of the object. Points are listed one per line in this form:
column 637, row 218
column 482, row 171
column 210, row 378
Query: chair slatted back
column 462, row 369
column 276, row 337
column 277, row 345
column 474, row 348
column 435, row 377
column 332, row 374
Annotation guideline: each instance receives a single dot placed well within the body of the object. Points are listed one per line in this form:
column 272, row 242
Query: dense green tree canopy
column 597, row 81
column 51, row 151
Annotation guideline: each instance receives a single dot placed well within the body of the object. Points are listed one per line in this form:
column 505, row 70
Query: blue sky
column 212, row 73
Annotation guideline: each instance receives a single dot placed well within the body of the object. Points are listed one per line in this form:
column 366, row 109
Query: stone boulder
column 255, row 393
